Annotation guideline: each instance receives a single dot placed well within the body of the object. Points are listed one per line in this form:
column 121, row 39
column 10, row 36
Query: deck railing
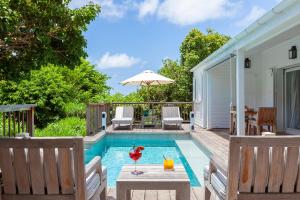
column 94, row 112
column 17, row 119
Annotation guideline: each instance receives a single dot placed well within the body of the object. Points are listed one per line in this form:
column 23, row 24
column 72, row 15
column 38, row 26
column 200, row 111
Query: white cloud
column 147, row 7
column 254, row 14
column 109, row 8
column 189, row 12
column 182, row 12
column 117, row 61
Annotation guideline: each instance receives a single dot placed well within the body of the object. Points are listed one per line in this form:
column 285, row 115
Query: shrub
column 70, row 126
column 53, row 87
column 75, row 109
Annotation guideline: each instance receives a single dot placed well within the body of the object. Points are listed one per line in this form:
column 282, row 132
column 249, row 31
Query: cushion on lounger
column 217, row 183
column 127, row 119
column 92, row 184
column 173, row 119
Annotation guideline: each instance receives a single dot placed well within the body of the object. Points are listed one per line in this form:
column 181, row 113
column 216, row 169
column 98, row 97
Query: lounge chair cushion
column 219, row 183
column 127, row 119
column 93, row 183
column 172, row 119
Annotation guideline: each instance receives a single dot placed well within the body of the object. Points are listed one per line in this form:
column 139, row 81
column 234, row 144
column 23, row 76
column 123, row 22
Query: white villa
column 259, row 68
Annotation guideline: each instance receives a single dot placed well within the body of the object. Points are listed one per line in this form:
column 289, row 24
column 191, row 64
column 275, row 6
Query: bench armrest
column 215, row 164
column 93, row 166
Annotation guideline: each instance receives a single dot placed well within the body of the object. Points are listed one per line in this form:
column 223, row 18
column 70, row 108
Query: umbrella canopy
column 147, row 78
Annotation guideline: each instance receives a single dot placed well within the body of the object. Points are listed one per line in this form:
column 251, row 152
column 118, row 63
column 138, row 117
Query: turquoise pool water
column 114, row 148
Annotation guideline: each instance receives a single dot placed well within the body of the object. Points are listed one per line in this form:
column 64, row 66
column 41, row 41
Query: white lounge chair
column 49, row 168
column 124, row 115
column 171, row 115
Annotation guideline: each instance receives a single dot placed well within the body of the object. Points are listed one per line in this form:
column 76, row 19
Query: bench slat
column 65, row 170
column 261, row 170
column 50, row 166
column 247, row 163
column 276, row 169
column 36, row 171
column 22, row 171
column 291, row 170
column 8, row 175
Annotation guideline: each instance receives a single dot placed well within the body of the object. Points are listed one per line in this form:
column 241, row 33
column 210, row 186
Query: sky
column 131, row 36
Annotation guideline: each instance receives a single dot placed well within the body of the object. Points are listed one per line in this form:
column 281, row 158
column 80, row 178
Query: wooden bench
column 258, row 168
column 153, row 178
column 49, row 169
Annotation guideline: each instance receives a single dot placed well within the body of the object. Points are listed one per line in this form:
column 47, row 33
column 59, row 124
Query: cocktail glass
column 135, row 154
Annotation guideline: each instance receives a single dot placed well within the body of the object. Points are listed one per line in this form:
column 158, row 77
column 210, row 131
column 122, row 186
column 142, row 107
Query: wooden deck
column 197, row 193
column 138, row 129
column 216, row 142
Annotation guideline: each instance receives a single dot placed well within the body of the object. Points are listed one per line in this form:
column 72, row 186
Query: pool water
column 114, row 150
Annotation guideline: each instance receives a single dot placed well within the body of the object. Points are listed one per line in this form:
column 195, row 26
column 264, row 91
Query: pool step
column 196, row 158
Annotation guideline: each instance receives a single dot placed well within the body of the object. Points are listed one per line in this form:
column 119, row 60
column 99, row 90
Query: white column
column 232, row 81
column 204, row 99
column 240, row 91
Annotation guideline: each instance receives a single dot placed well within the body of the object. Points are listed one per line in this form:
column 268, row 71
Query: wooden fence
column 17, row 119
column 94, row 112
column 94, row 117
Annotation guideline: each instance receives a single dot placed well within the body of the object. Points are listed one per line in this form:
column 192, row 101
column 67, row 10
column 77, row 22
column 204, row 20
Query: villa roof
column 282, row 17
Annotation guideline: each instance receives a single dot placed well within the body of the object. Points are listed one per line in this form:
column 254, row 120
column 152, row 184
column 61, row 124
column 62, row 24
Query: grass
column 70, row 126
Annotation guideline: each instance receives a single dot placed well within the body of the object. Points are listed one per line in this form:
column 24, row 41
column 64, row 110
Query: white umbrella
column 147, row 78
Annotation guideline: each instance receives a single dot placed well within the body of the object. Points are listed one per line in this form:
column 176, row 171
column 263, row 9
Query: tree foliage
column 53, row 87
column 37, row 32
column 195, row 48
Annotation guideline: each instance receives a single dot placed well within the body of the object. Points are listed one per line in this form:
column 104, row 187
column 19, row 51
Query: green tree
column 58, row 91
column 87, row 82
column 37, row 32
column 197, row 46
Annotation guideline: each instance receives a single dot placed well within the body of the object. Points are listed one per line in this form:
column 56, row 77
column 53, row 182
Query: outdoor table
column 154, row 177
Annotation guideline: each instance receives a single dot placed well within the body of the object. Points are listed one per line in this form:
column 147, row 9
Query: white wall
column 198, row 97
column 219, row 96
column 275, row 57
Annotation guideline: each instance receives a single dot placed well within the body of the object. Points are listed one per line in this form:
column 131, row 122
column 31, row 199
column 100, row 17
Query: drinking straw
column 164, row 157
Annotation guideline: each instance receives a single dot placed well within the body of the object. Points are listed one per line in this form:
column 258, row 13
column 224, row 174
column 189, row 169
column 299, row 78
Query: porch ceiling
column 278, row 39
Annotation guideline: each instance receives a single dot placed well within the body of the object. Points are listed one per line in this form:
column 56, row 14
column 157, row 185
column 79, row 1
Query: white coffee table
column 154, row 177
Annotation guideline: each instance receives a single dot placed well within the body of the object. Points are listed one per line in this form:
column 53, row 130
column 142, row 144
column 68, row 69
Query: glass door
column 292, row 100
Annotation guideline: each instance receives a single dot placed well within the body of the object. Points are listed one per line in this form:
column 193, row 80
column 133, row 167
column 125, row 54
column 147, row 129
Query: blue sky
column 131, row 36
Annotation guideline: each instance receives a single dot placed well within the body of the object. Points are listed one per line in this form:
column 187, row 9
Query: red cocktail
column 135, row 154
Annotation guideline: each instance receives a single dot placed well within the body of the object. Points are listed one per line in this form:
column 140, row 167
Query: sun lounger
column 171, row 115
column 124, row 115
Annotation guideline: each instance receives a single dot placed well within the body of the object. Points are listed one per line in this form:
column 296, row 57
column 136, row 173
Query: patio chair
column 233, row 120
column 171, row 115
column 124, row 115
column 49, row 168
column 258, row 168
column 266, row 116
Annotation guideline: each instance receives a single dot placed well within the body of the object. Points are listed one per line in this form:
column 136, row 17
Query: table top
column 153, row 173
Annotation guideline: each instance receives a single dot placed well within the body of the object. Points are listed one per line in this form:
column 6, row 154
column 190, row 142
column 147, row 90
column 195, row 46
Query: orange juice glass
column 169, row 164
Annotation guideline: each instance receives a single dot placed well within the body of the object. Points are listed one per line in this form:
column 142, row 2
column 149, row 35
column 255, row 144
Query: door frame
column 292, row 68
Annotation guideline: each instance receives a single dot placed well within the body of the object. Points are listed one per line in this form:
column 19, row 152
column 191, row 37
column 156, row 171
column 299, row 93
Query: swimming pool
column 114, row 148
